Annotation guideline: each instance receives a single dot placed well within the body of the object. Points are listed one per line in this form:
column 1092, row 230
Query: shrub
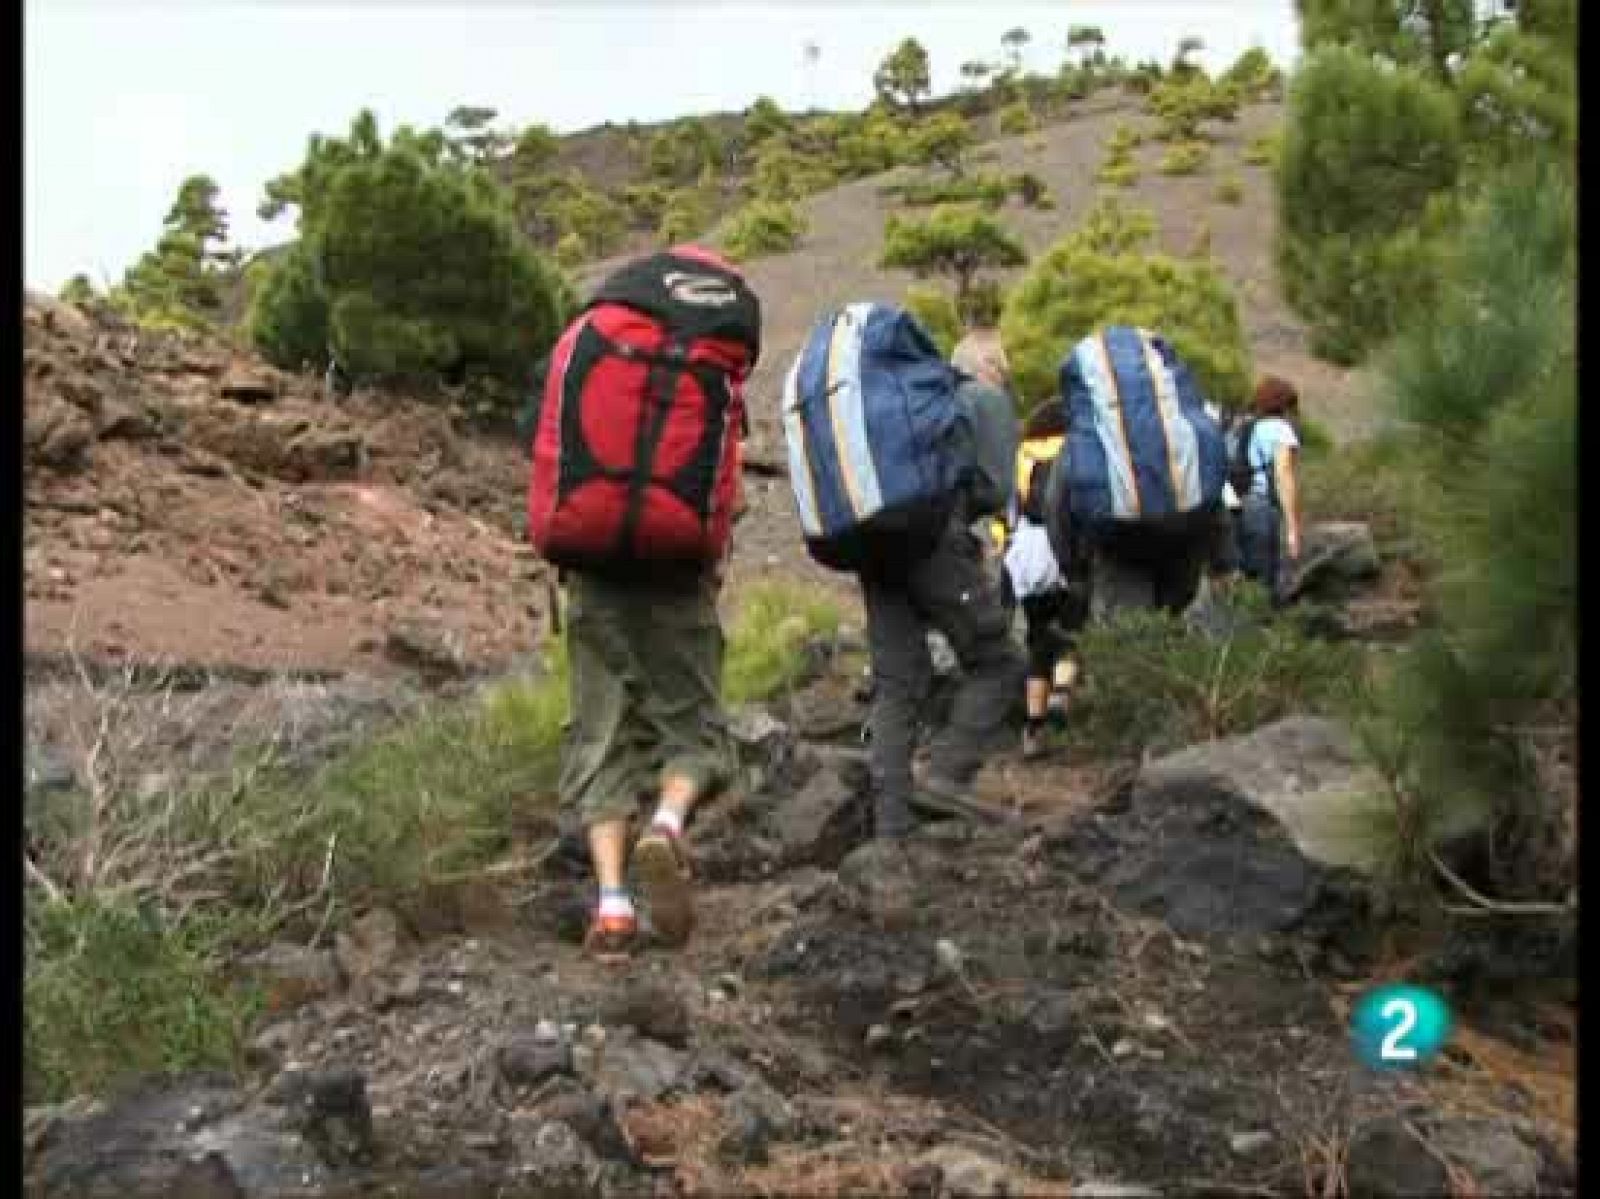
column 1230, row 190
column 1186, row 158
column 1031, row 190
column 570, row 250
column 1123, row 139
column 685, row 217
column 370, row 213
column 760, row 228
column 986, row 189
column 1118, row 174
column 870, row 146
column 773, row 630
column 942, row 140
column 1263, row 149
column 1487, row 379
column 1103, row 273
column 1182, row 106
column 682, row 152
column 1017, row 119
column 958, row 241
column 1254, row 75
column 646, row 202
column 115, row 990
column 1369, row 160
column 936, row 312
column 781, row 173
column 1154, row 684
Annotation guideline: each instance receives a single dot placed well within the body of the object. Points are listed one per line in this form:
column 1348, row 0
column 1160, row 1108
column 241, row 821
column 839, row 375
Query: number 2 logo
column 1392, row 1049
column 1399, row 1026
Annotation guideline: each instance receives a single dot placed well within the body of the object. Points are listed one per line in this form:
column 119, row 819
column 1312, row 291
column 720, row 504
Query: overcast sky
column 125, row 98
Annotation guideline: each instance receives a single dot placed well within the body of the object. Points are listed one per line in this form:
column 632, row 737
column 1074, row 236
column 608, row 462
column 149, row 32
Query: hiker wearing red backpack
column 635, row 486
column 893, row 454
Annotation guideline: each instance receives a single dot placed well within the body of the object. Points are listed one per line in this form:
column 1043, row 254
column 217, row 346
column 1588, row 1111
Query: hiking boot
column 662, row 870
column 891, row 819
column 611, row 939
column 946, row 797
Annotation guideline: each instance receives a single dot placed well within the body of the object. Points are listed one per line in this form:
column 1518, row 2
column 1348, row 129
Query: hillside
column 115, row 572
column 284, row 672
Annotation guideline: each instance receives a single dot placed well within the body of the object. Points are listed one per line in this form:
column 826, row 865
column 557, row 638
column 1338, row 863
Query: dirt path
column 987, row 1012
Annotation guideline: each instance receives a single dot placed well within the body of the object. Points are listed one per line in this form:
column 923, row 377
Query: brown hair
column 1275, row 396
column 1049, row 419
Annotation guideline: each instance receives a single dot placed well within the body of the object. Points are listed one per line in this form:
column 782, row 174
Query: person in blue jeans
column 1269, row 513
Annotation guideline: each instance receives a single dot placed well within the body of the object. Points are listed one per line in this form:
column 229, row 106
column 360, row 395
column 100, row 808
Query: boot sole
column 666, row 890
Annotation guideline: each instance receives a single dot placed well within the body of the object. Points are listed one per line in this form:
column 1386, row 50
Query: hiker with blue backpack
column 893, row 455
column 1136, row 493
column 1263, row 469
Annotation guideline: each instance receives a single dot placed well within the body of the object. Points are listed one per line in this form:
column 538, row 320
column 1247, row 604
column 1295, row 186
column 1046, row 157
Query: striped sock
column 615, row 901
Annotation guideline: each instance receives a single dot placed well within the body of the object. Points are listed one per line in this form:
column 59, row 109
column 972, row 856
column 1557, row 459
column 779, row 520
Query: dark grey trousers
column 1260, row 544
column 951, row 591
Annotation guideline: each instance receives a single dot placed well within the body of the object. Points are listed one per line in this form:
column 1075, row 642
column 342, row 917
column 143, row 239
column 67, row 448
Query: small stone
column 1122, row 1048
column 547, row 1032
column 291, row 975
column 528, row 1062
column 877, row 1035
column 370, row 946
column 652, row 1009
column 967, row 1174
column 949, row 957
column 1385, row 1160
column 1246, row 1143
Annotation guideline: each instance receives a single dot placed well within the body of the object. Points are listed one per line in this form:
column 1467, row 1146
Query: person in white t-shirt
column 1269, row 515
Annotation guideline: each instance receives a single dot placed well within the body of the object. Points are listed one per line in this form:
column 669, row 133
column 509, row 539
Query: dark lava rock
column 652, row 1009
column 1385, row 1161
column 802, row 823
column 525, row 1062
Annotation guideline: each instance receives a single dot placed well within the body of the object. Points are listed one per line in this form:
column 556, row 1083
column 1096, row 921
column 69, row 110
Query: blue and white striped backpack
column 1141, row 452
column 878, row 447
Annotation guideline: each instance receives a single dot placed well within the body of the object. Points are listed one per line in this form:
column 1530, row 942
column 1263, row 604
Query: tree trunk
column 1438, row 52
column 963, row 272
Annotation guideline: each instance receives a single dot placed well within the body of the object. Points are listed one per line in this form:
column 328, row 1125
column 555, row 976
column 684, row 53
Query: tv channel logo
column 1399, row 1026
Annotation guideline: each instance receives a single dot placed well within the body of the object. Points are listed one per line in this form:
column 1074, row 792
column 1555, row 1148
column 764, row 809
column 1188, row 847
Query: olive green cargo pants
column 645, row 675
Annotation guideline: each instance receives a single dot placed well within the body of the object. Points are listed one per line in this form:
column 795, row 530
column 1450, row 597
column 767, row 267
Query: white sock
column 668, row 821
column 615, row 903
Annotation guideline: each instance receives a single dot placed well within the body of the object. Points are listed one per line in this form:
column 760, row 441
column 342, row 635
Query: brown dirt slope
column 167, row 521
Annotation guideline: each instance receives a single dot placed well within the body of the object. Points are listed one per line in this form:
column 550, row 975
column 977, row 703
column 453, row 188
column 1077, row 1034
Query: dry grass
column 1548, row 1078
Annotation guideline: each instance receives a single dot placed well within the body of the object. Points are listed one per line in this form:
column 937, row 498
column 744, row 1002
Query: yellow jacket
column 1029, row 454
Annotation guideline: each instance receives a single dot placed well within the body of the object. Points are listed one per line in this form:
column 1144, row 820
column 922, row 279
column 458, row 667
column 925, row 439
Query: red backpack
column 636, row 443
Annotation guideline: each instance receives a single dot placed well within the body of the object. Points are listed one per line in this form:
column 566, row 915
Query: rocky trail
column 1137, row 983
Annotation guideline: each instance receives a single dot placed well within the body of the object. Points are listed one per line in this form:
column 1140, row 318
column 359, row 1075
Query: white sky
column 125, row 98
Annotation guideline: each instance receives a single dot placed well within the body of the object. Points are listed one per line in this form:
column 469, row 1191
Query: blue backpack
column 878, row 446
column 1141, row 455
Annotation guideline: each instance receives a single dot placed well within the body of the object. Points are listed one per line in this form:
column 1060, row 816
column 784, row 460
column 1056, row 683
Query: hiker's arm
column 741, row 503
column 1287, row 476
